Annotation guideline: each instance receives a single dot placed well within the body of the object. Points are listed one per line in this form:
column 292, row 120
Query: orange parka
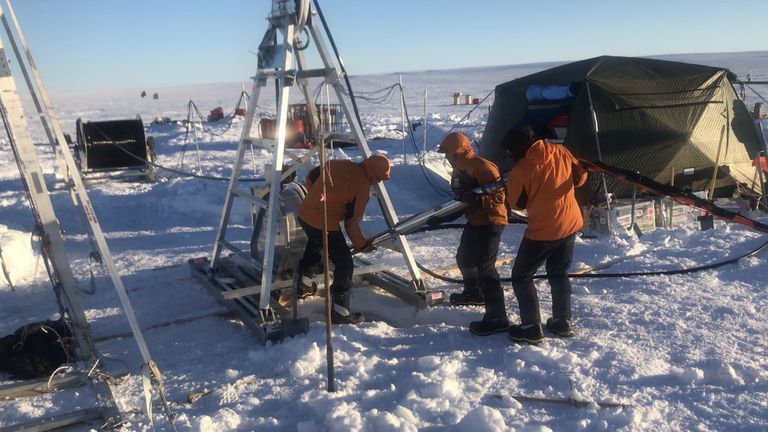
column 543, row 183
column 347, row 186
column 489, row 209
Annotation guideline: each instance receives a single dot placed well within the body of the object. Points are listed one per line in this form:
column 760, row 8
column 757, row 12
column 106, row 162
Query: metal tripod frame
column 32, row 176
column 276, row 62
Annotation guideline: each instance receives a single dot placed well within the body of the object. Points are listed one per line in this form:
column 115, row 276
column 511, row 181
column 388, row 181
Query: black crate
column 112, row 145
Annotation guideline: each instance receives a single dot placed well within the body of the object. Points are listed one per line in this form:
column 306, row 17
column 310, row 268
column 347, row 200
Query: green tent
column 666, row 120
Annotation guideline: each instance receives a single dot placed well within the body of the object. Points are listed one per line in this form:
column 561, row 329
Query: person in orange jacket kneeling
column 347, row 188
column 542, row 182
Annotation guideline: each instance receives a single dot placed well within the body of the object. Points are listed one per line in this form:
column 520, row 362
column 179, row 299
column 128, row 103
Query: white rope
column 53, row 374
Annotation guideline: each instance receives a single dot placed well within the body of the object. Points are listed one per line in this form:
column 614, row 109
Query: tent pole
column 711, row 191
column 724, row 132
column 761, row 178
column 671, row 201
column 596, row 130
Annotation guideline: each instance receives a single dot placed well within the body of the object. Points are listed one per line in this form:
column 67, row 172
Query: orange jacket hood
column 376, row 168
column 454, row 142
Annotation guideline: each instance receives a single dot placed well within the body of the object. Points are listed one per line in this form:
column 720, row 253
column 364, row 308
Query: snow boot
column 530, row 333
column 486, row 326
column 470, row 296
column 305, row 291
column 340, row 313
column 495, row 318
column 559, row 327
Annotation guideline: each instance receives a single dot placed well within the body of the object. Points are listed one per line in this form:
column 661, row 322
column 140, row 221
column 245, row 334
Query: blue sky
column 93, row 44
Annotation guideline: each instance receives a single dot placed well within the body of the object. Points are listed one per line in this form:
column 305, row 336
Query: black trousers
column 476, row 255
column 558, row 255
column 338, row 253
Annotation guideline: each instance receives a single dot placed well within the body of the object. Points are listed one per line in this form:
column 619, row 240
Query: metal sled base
column 98, row 416
column 272, row 324
column 59, row 422
column 238, row 283
column 400, row 287
column 34, row 387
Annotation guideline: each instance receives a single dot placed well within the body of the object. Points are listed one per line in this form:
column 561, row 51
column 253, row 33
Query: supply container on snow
column 112, row 145
column 671, row 214
column 216, row 114
column 621, row 216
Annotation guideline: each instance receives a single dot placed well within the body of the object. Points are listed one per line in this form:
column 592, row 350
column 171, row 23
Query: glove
column 470, row 198
column 367, row 247
column 433, row 221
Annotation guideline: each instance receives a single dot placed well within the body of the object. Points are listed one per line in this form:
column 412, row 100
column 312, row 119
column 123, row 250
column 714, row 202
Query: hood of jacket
column 462, row 158
column 376, row 168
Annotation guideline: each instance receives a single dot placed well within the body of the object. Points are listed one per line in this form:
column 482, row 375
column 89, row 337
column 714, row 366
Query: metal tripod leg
column 16, row 126
column 51, row 232
column 40, row 202
column 383, row 197
column 285, row 83
column 56, row 133
column 232, row 189
column 47, row 117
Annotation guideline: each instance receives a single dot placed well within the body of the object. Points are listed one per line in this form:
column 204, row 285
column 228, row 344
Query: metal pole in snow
column 671, row 201
column 425, row 122
column 761, row 177
column 326, row 276
column 596, row 128
column 325, row 129
column 194, row 136
column 402, row 117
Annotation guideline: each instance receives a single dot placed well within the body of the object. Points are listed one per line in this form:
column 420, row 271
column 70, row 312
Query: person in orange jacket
column 542, row 182
column 347, row 188
column 486, row 218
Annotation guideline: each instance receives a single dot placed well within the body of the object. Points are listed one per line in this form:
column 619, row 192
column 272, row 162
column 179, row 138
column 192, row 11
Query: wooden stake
column 326, row 275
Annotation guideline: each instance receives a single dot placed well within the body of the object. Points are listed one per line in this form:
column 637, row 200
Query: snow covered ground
column 684, row 352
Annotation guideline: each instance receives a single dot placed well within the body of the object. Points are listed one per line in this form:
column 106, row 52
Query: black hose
column 603, row 275
column 666, row 272
column 437, row 276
